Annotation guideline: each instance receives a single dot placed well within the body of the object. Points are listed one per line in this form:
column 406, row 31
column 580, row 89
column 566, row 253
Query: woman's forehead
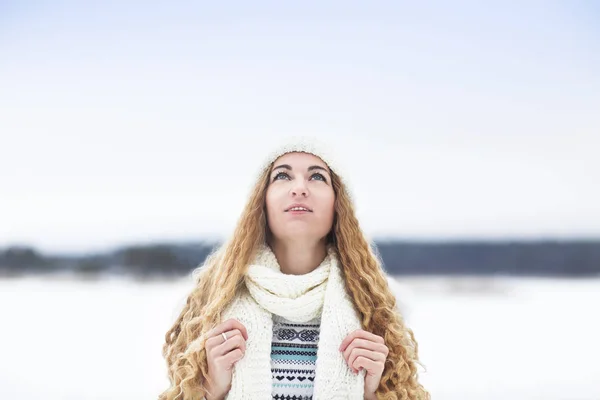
column 299, row 160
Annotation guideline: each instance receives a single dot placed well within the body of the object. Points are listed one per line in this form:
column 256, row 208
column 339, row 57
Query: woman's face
column 304, row 180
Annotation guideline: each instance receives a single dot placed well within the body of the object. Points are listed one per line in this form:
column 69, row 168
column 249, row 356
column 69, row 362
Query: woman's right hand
column 222, row 355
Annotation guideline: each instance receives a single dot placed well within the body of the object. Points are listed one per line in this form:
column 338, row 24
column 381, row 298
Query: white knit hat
column 311, row 145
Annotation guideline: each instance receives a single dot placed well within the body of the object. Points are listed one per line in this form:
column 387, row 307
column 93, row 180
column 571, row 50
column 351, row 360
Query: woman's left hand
column 365, row 350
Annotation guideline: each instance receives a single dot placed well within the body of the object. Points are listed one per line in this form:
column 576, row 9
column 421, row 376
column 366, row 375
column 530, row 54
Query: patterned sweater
column 293, row 358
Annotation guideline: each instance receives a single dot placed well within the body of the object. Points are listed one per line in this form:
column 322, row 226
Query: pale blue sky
column 134, row 121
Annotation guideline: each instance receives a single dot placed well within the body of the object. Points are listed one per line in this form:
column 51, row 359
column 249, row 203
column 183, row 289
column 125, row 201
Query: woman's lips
column 299, row 212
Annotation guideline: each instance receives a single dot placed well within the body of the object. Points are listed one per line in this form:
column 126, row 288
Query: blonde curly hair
column 220, row 277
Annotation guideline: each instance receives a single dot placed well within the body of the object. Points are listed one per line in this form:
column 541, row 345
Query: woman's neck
column 297, row 258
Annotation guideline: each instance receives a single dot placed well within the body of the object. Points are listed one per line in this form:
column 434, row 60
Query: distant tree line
column 517, row 258
column 542, row 258
column 141, row 261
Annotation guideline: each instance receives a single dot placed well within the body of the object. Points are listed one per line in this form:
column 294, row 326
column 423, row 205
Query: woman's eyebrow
column 311, row 168
column 286, row 166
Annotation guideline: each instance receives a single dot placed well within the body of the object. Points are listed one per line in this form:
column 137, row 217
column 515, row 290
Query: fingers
column 372, row 367
column 227, row 326
column 225, row 353
column 366, row 354
column 219, row 339
column 365, row 344
column 228, row 360
column 222, row 354
column 235, row 341
column 360, row 333
column 228, row 352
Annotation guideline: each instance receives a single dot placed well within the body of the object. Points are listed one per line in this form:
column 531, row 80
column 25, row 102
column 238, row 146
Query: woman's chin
column 300, row 233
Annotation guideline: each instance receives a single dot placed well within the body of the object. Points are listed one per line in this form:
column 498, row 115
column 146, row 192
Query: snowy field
column 479, row 339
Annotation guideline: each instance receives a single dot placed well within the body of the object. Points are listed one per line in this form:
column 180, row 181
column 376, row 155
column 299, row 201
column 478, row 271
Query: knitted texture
column 298, row 298
column 293, row 358
column 252, row 379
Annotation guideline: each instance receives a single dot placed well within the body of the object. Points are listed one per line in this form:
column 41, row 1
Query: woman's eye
column 280, row 174
column 320, row 176
column 286, row 176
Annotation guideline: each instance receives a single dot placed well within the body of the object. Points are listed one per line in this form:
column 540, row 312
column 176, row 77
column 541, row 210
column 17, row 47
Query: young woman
column 295, row 305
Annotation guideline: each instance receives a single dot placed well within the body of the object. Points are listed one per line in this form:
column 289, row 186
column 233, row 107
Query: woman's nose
column 299, row 188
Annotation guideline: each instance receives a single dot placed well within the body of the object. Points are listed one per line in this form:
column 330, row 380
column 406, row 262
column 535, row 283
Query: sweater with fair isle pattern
column 293, row 358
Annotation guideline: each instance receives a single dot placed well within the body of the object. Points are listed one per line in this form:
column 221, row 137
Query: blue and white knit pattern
column 293, row 358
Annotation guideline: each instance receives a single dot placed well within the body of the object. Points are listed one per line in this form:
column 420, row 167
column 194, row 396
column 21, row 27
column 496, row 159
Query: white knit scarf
column 298, row 298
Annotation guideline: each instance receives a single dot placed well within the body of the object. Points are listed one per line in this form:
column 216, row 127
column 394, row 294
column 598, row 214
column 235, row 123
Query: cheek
column 273, row 202
column 269, row 203
column 328, row 201
column 332, row 209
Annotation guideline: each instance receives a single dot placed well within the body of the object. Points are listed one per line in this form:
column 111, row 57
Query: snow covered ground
column 479, row 338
